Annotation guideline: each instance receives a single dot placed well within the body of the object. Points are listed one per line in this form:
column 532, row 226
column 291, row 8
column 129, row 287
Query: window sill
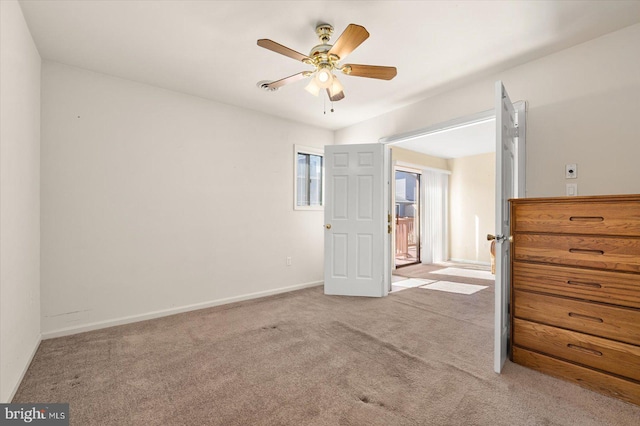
column 311, row 208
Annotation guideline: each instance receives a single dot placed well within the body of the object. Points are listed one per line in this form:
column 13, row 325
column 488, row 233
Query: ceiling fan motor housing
column 320, row 49
column 319, row 54
column 320, row 58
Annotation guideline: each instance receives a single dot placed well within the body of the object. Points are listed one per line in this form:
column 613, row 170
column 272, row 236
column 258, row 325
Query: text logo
column 34, row 414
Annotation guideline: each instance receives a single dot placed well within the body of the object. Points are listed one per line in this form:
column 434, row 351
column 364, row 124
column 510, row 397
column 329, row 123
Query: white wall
column 155, row 201
column 584, row 103
column 471, row 206
column 19, row 198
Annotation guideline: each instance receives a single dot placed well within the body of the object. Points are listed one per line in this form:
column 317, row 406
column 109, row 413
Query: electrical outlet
column 289, row 261
column 571, row 171
column 572, row 189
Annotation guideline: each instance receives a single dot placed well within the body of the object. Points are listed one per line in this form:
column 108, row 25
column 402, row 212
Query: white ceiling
column 456, row 142
column 208, row 48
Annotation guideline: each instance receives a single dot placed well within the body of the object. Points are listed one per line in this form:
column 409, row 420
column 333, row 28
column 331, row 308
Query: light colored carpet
column 452, row 287
column 467, row 273
column 302, row 358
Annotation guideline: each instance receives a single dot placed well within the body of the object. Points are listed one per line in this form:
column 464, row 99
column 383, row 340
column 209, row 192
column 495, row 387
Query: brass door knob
column 499, row 238
column 328, row 226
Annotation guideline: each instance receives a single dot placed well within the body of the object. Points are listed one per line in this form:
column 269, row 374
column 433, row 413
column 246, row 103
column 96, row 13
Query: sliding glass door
column 407, row 201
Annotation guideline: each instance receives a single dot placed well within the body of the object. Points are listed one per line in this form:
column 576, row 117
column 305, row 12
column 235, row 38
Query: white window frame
column 301, row 149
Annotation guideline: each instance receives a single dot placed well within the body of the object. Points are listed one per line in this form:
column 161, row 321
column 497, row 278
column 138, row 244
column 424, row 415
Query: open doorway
column 374, row 165
column 456, row 164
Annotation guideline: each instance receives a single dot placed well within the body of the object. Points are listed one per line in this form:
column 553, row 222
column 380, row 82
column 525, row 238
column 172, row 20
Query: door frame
column 480, row 117
column 463, row 121
column 467, row 120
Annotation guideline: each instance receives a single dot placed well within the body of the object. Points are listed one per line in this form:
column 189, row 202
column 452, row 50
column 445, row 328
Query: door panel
column 355, row 220
column 365, row 197
column 339, row 263
column 506, row 145
column 341, row 197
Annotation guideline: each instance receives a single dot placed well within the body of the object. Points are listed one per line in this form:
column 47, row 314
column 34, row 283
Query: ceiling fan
column 325, row 60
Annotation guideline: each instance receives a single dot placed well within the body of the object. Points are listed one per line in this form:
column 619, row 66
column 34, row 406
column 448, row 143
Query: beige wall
column 583, row 105
column 471, row 201
column 471, row 207
column 155, row 202
column 19, row 198
column 411, row 157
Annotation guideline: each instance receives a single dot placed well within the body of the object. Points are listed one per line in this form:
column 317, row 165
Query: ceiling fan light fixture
column 324, row 78
column 336, row 87
column 313, row 88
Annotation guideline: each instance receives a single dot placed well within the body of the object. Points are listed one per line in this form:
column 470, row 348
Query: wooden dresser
column 575, row 290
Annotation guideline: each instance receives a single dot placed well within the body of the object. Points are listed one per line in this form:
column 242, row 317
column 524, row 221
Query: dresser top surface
column 584, row 198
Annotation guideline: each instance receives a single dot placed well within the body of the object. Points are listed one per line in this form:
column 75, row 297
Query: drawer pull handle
column 581, row 284
column 585, row 350
column 586, row 219
column 585, row 317
column 585, row 251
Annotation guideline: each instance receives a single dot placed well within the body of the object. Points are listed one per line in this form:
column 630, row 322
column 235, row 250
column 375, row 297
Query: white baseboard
column 171, row 311
column 473, row 262
column 24, row 370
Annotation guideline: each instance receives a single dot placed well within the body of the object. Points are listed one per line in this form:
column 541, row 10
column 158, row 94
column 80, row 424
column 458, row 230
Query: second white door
column 355, row 221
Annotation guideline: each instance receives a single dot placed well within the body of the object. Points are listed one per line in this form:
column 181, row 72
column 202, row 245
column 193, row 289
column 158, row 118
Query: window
column 309, row 178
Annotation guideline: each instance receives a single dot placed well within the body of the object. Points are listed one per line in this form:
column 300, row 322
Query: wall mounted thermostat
column 571, row 171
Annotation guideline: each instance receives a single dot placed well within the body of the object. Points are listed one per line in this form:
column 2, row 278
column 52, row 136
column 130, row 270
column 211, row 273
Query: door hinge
column 389, row 218
column 388, row 229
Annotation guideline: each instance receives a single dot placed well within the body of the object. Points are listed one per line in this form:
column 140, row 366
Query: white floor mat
column 412, row 282
column 469, row 273
column 452, row 287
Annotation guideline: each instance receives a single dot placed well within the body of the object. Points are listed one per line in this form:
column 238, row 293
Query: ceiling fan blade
column 352, row 37
column 370, row 71
column 287, row 80
column 337, row 97
column 283, row 50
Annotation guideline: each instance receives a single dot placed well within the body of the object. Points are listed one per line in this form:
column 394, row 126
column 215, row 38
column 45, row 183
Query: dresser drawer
column 602, row 286
column 616, row 387
column 607, row 355
column 595, row 217
column 606, row 321
column 618, row 253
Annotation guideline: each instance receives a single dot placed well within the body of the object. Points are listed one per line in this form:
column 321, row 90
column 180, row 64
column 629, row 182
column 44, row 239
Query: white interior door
column 510, row 175
column 356, row 204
